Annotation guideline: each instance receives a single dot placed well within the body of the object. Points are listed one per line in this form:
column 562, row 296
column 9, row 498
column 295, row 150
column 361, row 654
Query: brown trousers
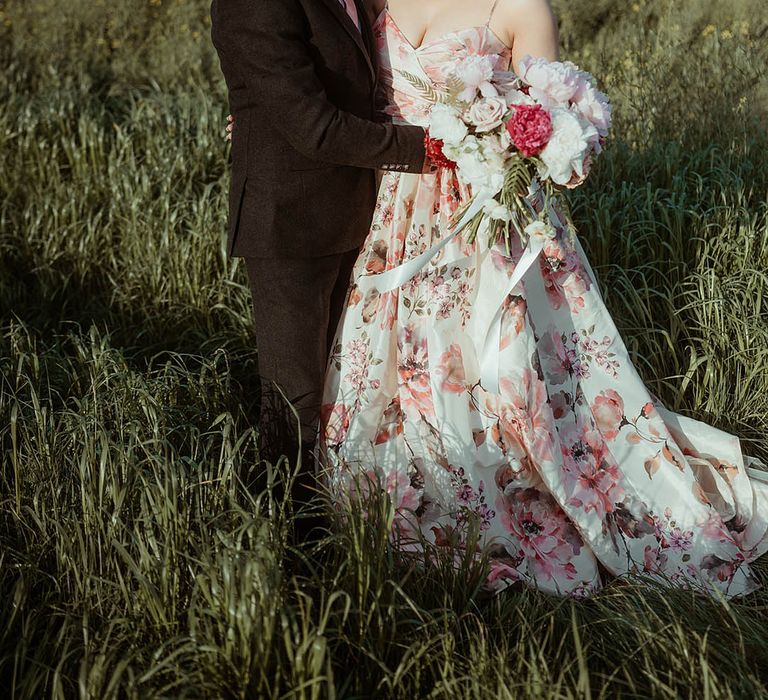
column 297, row 305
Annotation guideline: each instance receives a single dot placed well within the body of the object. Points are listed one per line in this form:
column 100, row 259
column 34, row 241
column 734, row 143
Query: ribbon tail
column 489, row 355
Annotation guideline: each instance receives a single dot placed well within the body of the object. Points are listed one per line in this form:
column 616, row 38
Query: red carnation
column 434, row 148
column 530, row 128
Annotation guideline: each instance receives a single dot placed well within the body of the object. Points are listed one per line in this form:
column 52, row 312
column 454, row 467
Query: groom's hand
column 429, row 167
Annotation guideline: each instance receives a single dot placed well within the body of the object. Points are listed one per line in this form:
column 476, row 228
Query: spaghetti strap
column 490, row 16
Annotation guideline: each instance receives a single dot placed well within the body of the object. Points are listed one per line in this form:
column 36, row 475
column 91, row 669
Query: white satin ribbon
column 488, row 355
column 395, row 278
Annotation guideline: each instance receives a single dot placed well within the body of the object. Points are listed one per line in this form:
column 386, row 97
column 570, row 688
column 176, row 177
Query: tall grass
column 141, row 554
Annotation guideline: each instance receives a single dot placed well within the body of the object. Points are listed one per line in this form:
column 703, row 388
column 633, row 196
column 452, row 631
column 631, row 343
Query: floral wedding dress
column 574, row 470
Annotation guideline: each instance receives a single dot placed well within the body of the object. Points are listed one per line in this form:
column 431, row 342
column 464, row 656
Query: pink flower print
column 377, row 259
column 565, row 279
column 413, row 370
column 608, row 410
column 718, row 569
column 370, row 305
column 654, row 560
column 513, row 319
column 502, row 571
column 508, row 474
column 545, row 535
column 465, row 493
column 561, row 403
column 562, row 362
column 355, row 296
column 391, row 423
column 388, row 310
column 679, row 540
column 357, row 351
column 592, row 479
column 486, row 516
column 445, row 308
column 334, row 421
column 437, row 286
column 357, row 355
column 407, row 500
column 450, row 370
column 387, row 216
column 524, row 411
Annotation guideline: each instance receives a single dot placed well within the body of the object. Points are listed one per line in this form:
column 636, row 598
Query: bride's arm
column 530, row 27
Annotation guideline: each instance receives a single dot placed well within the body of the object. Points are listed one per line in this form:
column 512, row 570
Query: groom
column 301, row 76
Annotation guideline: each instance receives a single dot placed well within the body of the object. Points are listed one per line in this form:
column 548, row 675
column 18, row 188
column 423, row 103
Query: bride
column 573, row 469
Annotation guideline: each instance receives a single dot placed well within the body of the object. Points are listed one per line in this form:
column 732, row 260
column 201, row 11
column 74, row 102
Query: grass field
column 136, row 562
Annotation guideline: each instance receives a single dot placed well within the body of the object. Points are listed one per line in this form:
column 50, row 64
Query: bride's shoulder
column 530, row 20
column 525, row 10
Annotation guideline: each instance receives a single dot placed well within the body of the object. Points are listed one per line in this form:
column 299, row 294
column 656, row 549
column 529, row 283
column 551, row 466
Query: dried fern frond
column 427, row 89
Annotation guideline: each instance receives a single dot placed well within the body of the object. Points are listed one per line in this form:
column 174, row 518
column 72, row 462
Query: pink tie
column 352, row 11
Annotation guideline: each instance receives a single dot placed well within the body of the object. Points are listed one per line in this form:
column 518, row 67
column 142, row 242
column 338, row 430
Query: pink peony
column 530, row 128
column 608, row 410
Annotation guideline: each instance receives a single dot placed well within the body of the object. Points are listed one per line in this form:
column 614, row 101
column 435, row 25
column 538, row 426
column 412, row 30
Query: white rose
column 476, row 73
column 568, row 148
column 488, row 113
column 446, row 124
column 540, row 229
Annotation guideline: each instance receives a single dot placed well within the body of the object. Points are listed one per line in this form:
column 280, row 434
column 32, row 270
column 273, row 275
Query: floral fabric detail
column 574, row 471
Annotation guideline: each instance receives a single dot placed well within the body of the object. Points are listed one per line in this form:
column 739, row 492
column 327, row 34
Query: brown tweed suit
column 302, row 82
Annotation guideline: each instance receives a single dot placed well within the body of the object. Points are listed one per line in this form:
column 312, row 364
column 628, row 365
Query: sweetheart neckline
column 455, row 32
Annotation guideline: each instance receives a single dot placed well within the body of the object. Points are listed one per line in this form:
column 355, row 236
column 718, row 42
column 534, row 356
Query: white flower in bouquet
column 480, row 162
column 487, row 113
column 540, row 229
column 568, row 147
column 497, row 211
column 446, row 124
column 594, row 106
column 476, row 74
column 552, row 83
column 494, row 148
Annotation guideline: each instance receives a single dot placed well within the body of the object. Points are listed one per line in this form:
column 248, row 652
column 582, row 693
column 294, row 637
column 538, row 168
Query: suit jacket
column 305, row 147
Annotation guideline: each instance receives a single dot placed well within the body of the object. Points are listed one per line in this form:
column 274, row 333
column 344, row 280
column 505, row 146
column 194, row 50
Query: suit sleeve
column 267, row 41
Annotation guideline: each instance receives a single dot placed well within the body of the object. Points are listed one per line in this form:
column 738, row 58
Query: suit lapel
column 366, row 20
column 341, row 14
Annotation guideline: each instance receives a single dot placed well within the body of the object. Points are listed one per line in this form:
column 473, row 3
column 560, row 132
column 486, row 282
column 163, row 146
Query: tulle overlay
column 573, row 469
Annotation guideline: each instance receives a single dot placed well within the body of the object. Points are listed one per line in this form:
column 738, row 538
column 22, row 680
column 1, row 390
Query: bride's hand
column 230, row 127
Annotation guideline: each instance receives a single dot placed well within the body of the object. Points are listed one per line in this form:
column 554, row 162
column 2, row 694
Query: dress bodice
column 432, row 63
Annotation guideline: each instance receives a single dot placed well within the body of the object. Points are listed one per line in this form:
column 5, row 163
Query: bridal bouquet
column 512, row 136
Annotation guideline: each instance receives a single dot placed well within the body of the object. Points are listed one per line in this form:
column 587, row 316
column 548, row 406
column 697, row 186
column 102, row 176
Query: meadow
column 137, row 557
